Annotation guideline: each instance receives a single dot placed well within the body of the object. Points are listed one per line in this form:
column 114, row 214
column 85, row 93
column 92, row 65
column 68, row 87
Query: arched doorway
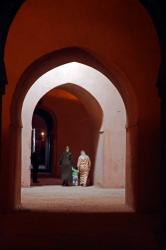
column 127, row 93
column 78, row 121
column 41, row 139
column 112, row 147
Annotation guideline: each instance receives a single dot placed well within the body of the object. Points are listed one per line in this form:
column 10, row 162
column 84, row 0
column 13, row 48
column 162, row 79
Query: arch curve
column 70, row 55
column 76, row 54
column 83, row 118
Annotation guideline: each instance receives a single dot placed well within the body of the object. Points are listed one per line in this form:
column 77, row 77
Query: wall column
column 4, row 183
column 131, row 165
column 163, row 172
column 99, row 164
column 1, row 192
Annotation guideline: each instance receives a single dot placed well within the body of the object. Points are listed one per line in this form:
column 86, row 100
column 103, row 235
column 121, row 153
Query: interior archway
column 132, row 116
column 111, row 155
column 78, row 117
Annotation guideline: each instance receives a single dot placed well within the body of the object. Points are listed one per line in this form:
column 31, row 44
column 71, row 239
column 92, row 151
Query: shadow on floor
column 45, row 230
column 47, row 180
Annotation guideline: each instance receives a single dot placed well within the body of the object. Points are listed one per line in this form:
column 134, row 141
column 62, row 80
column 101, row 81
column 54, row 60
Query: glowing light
column 42, row 133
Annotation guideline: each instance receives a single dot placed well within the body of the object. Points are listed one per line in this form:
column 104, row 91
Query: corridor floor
column 74, row 199
column 63, row 218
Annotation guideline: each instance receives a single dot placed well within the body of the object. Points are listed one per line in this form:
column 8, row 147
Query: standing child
column 75, row 172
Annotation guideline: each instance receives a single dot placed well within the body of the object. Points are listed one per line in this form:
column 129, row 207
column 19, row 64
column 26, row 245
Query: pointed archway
column 111, row 147
column 34, row 75
column 78, row 121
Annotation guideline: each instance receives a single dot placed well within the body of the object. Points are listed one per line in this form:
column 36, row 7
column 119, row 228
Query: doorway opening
column 108, row 144
column 97, row 84
column 41, row 139
column 78, row 120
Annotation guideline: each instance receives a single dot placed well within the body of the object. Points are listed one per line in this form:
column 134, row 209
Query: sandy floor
column 64, row 218
column 74, row 199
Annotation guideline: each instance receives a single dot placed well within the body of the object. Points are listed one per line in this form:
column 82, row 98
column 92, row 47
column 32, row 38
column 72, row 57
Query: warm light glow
column 42, row 133
column 60, row 93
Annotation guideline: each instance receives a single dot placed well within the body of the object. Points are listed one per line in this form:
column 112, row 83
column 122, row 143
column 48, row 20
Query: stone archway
column 79, row 118
column 126, row 93
column 111, row 153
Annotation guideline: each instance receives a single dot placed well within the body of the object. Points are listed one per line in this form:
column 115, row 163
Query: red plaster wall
column 118, row 33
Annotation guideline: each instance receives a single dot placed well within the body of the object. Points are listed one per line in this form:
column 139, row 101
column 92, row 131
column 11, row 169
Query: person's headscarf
column 83, row 155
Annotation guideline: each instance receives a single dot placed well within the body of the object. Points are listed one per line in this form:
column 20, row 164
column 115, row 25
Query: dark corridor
column 42, row 125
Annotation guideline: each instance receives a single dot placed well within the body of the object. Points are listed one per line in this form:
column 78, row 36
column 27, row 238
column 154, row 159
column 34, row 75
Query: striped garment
column 84, row 168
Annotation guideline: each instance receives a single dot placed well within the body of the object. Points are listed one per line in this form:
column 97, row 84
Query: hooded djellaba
column 66, row 166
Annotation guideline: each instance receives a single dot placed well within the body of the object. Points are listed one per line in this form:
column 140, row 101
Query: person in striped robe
column 83, row 165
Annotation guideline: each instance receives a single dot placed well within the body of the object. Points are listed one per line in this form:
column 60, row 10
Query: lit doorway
column 78, row 118
column 111, row 147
